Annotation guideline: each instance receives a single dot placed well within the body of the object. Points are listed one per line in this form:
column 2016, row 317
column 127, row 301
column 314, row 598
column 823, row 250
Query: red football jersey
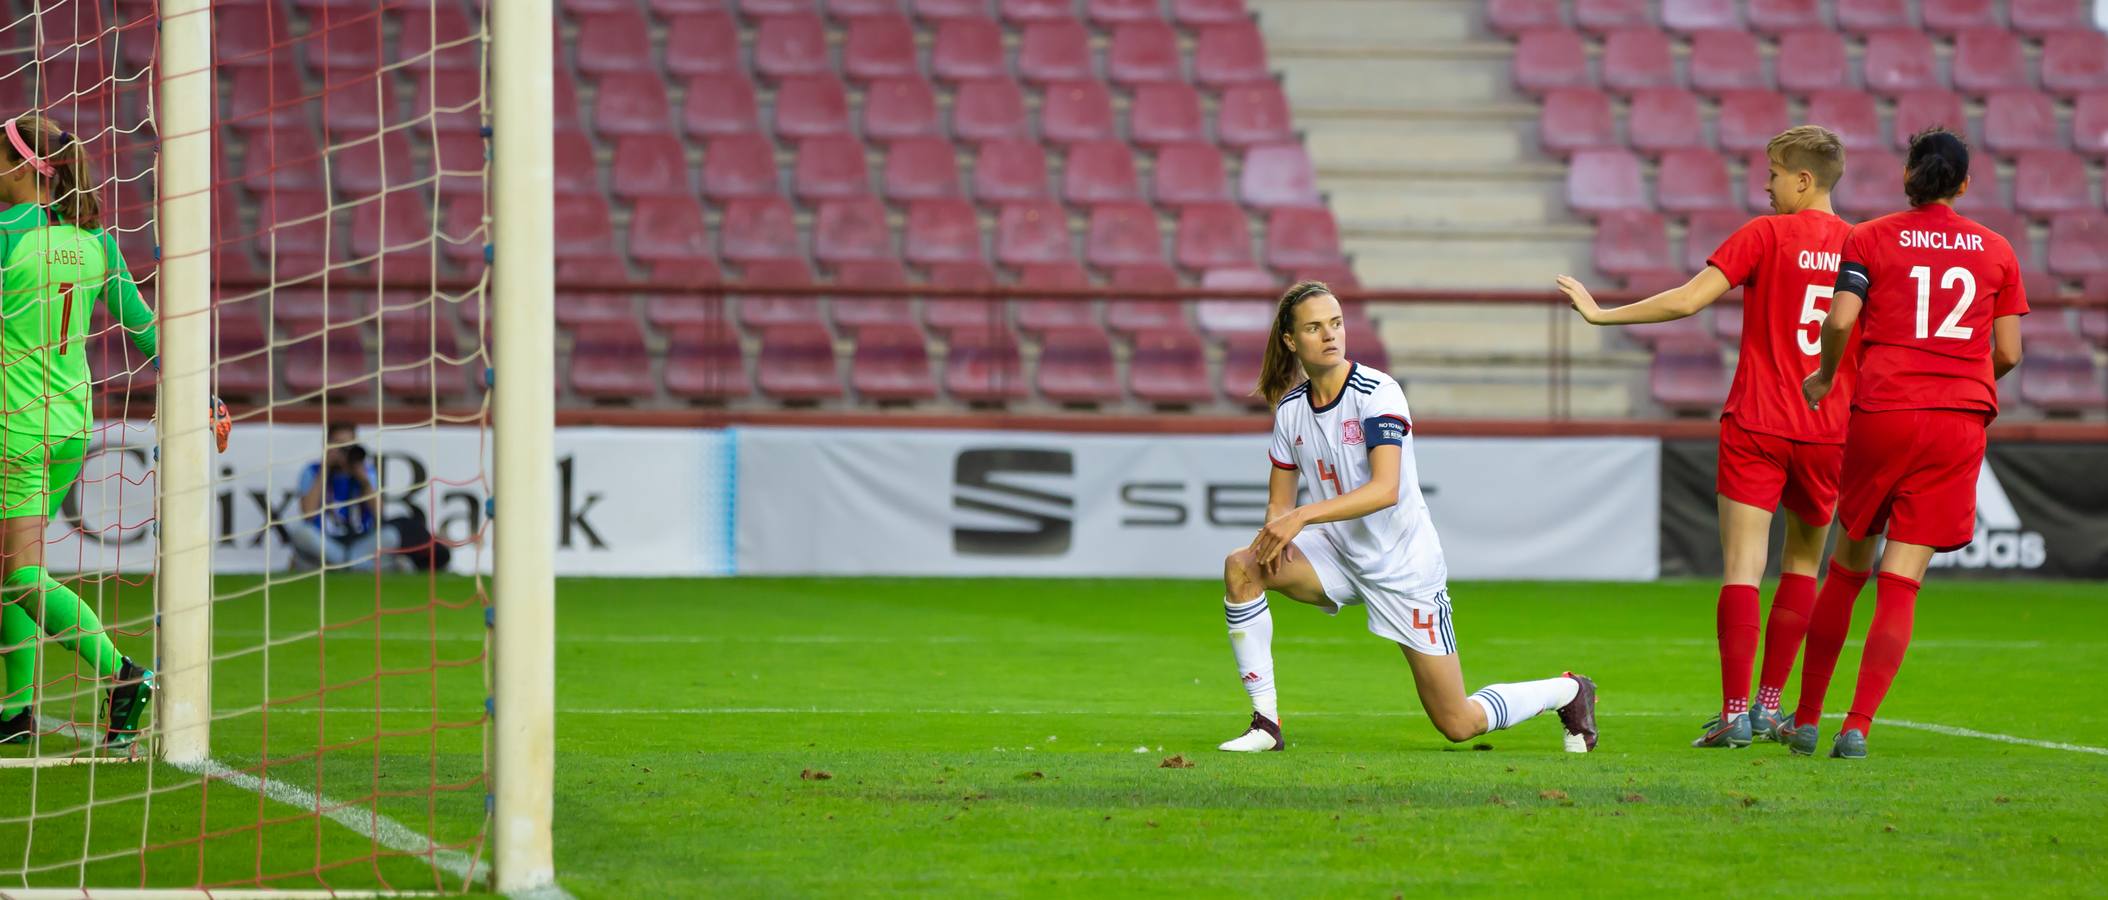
column 1933, row 282
column 1788, row 265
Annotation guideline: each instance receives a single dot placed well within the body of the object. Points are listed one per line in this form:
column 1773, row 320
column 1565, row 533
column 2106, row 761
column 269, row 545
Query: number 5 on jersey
column 1331, row 474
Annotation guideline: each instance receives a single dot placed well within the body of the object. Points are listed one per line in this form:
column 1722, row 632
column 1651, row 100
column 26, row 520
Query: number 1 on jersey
column 1331, row 474
column 65, row 316
column 1949, row 327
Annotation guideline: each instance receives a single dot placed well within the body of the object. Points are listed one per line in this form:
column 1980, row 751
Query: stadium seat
column 1054, row 51
column 854, row 229
column 1076, row 368
column 576, row 170
column 1986, row 191
column 989, row 110
column 1010, row 170
column 1230, row 54
column 1214, row 236
column 842, row 10
column 740, row 166
column 356, row 104
column 1872, row 185
column 1169, row 367
column 1948, row 17
column 1812, row 61
column 1662, row 119
column 2049, row 182
column 1278, row 175
column 938, row 10
column 294, row 225
column 1726, row 61
column 2018, row 121
column 1688, row 377
column 1144, row 53
column 1777, row 17
column 879, row 47
column 331, row 361
column 1076, row 111
column 1990, row 59
column 758, row 312
column 810, row 107
column 705, row 363
column 1637, row 58
column 452, row 104
column 2041, row 19
column 2078, row 245
column 2075, row 62
column 1033, row 232
column 1866, row 17
column 942, row 231
column 1166, row 113
column 1129, row 315
column 648, row 165
column 1123, row 234
column 1853, row 115
column 921, row 168
column 1106, row 13
column 1242, row 361
column 1510, row 18
column 800, row 364
column 900, row 108
column 1037, row 315
column 239, row 38
column 984, row 367
column 632, row 103
column 2010, row 225
column 1100, row 172
column 416, row 358
column 720, row 105
column 609, row 362
column 306, row 310
column 2060, row 376
column 1574, row 119
column 1029, row 11
column 891, row 364
column 1601, row 16
column 2093, row 323
column 852, row 312
column 610, row 42
column 968, row 50
column 1900, row 61
column 242, row 356
column 828, row 168
column 675, row 310
column 1599, row 181
column 348, row 44
column 1253, row 114
column 752, row 228
column 704, row 43
column 1631, row 241
column 1689, row 181
column 1196, row 13
column 396, row 227
column 2089, row 124
column 1749, row 120
column 286, row 157
column 1918, row 110
column 790, row 46
column 1695, row 17
column 1302, row 238
column 1550, row 59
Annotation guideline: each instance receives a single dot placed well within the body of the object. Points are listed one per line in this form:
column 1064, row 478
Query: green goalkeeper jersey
column 51, row 275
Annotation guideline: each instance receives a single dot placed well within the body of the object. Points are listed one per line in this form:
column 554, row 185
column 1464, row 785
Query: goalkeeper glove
column 222, row 424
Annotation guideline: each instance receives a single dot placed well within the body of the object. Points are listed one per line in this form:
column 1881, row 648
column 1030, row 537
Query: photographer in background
column 340, row 524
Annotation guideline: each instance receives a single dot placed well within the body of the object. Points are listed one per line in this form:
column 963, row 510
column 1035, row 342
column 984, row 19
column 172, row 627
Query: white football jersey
column 1329, row 446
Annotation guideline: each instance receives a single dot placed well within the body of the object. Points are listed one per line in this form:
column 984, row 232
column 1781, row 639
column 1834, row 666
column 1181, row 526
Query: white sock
column 1252, row 640
column 1507, row 705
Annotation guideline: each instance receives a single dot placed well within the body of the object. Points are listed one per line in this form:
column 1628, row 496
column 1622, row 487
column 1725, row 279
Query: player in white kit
column 1344, row 435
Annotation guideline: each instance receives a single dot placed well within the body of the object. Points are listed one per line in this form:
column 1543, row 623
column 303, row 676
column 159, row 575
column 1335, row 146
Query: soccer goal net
column 268, row 668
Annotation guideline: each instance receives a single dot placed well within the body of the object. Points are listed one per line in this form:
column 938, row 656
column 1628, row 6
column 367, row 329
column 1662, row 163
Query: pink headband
column 14, row 136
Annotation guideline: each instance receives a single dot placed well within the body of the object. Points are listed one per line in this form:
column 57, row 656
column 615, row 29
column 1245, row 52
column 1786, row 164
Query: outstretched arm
column 1675, row 303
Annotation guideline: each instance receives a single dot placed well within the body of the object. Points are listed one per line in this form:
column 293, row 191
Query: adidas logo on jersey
column 2001, row 540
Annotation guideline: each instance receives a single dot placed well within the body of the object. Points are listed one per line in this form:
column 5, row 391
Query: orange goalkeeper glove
column 222, row 424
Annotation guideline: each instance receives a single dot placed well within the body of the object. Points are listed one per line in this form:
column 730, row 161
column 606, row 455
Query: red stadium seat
column 609, row 362
column 453, row 104
column 415, row 354
column 810, row 107
column 1100, row 172
column 1028, row 11
column 1690, row 181
column 968, row 50
column 2048, row 182
column 293, row 227
column 1952, row 16
column 1872, row 185
column 703, row 44
column 942, row 231
column 2093, row 323
column 990, row 110
column 1986, row 191
column 851, row 230
column 798, row 364
column 2075, row 62
column 831, row 167
column 1750, row 119
column 667, row 310
column 789, row 46
column 763, row 311
column 1214, row 236
column 1853, row 115
column 1599, row 181
column 1076, row 368
column 1510, row 18
column 740, row 166
column 1777, row 17
column 1039, row 315
column 1298, row 239
column 1054, row 51
column 1637, row 58
column 648, row 165
column 1757, row 178
column 720, row 105
column 1167, row 113
column 891, row 364
column 2089, row 124
column 851, row 312
column 609, row 42
column 1278, row 175
column 1631, row 241
column 1104, row 13
column 975, row 314
column 1123, row 234
column 1196, row 13
column 1663, row 119
column 900, row 108
column 632, row 103
column 2041, row 19
column 348, row 44
column 1812, row 61
column 951, row 9
column 1230, row 54
column 576, row 171
column 921, row 168
column 2060, row 376
column 332, row 361
column 1696, row 16
column 306, row 310
column 1551, row 59
column 356, row 104
column 1033, row 232
column 241, row 364
column 1900, row 61
column 984, row 368
column 880, row 47
column 1076, row 111
column 758, row 228
column 1988, row 59
column 1253, row 114
column 668, row 228
column 1169, row 367
column 1144, row 53
column 705, row 363
column 2010, row 225
column 2017, row 121
column 1919, row 110
column 395, row 227
column 1242, row 361
column 1010, row 170
column 1599, row 16
column 1865, row 17
column 1574, row 119
column 1689, row 377
column 1724, row 61
column 286, row 157
column 1130, row 315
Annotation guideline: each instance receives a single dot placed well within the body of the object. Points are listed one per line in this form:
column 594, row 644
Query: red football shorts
column 1765, row 470
column 1911, row 473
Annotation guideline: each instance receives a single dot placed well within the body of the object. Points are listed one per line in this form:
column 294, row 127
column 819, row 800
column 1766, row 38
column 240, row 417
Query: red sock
column 1827, row 628
column 1790, row 605
column 1737, row 619
column 1895, row 606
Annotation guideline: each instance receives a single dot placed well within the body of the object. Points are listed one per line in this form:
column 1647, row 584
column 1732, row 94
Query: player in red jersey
column 1773, row 448
column 1938, row 301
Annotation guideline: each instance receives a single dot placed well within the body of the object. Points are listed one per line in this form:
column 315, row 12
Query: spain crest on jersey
column 1350, row 432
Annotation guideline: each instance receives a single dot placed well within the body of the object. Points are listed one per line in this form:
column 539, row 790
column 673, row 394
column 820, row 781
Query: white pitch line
column 1953, row 731
column 418, row 637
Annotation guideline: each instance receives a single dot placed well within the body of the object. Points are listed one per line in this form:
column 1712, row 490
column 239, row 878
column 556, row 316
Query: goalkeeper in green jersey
column 56, row 263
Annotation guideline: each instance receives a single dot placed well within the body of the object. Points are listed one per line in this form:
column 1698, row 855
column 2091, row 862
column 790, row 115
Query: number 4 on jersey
column 1331, row 474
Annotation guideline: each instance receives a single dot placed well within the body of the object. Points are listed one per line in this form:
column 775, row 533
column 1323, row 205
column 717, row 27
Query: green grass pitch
column 1005, row 738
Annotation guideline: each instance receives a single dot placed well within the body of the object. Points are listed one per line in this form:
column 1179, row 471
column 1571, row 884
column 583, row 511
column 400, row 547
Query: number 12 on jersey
column 1949, row 327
